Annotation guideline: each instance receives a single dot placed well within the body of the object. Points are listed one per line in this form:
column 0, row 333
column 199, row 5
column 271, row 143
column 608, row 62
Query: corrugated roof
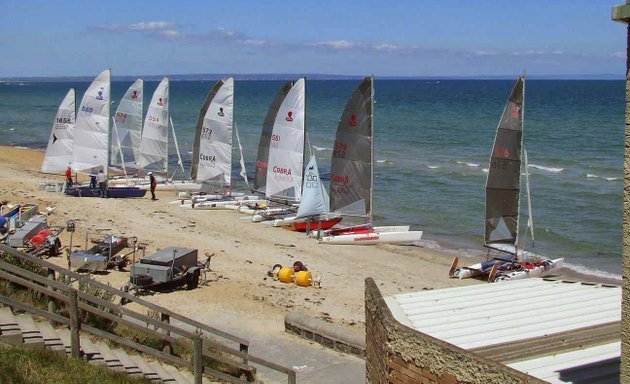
column 479, row 317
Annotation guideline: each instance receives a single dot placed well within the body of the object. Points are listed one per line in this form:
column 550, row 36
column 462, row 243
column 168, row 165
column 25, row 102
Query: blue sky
column 386, row 38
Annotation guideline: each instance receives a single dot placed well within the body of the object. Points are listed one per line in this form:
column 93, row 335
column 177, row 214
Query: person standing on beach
column 69, row 177
column 153, row 185
column 101, row 179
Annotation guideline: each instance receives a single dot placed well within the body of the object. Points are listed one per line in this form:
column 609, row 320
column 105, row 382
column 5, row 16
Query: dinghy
column 314, row 210
column 503, row 187
column 351, row 175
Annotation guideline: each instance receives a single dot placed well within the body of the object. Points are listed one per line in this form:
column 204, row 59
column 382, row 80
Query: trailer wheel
column 192, row 279
column 141, row 280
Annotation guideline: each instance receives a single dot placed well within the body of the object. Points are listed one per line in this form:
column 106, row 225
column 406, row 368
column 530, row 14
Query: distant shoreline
column 315, row 77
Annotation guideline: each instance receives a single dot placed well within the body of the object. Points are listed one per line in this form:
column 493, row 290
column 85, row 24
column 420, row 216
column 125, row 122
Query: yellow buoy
column 303, row 278
column 286, row 275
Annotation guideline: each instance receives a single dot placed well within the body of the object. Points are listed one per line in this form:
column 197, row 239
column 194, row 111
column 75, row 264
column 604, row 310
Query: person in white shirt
column 101, row 179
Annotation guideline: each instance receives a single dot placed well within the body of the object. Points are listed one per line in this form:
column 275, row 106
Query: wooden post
column 291, row 376
column 167, row 348
column 74, row 325
column 245, row 349
column 198, row 359
column 52, row 305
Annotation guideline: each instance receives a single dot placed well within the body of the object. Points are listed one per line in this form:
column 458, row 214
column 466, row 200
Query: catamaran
column 503, row 186
column 279, row 167
column 127, row 129
column 90, row 146
column 314, row 211
column 212, row 150
column 59, row 150
column 351, row 176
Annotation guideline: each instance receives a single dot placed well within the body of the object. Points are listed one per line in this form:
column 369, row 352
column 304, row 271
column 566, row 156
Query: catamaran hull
column 372, row 238
column 545, row 269
column 114, row 192
column 300, row 225
column 222, row 204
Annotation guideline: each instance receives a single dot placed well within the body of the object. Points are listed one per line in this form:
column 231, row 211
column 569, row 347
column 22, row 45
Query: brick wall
column 398, row 354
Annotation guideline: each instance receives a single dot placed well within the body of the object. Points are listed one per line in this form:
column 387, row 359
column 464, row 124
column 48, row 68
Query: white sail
column 91, row 132
column 214, row 163
column 315, row 199
column 286, row 149
column 59, row 151
column 243, row 172
column 128, row 124
column 153, row 154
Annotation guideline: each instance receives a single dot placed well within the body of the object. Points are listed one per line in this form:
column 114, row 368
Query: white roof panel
column 489, row 314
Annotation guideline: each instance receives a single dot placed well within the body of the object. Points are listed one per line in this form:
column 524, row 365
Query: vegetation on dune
column 35, row 366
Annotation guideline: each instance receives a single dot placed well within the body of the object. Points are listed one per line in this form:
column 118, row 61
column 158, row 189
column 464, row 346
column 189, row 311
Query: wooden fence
column 231, row 350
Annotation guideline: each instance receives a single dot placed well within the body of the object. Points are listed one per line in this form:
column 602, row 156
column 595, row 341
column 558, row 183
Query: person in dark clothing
column 153, row 185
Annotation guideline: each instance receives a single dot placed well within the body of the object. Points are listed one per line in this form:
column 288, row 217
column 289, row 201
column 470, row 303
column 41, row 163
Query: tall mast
column 371, row 147
column 518, row 216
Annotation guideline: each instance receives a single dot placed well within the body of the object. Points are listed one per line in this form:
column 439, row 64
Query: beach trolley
column 36, row 237
column 102, row 256
column 169, row 268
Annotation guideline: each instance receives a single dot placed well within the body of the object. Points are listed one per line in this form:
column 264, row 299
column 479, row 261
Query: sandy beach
column 243, row 253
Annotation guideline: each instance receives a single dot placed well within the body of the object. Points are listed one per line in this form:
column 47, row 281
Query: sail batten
column 59, row 150
column 212, row 149
column 351, row 167
column 128, row 122
column 91, row 132
column 286, row 147
column 504, row 176
column 153, row 153
column 262, row 159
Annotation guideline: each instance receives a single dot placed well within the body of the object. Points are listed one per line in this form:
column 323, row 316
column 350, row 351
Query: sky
column 353, row 37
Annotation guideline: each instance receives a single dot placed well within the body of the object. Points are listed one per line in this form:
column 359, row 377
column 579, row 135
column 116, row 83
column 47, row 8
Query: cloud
column 165, row 29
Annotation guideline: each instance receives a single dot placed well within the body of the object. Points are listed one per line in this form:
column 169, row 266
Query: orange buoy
column 303, row 278
column 286, row 275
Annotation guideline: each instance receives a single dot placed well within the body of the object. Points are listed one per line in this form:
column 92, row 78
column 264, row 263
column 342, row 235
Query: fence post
column 74, row 324
column 198, row 359
column 167, row 344
column 245, row 349
column 291, row 377
column 52, row 305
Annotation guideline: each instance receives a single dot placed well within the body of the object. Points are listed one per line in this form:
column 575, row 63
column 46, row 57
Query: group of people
column 100, row 180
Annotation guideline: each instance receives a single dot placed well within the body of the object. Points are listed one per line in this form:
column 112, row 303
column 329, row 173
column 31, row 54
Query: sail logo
column 353, row 121
column 207, row 160
column 99, row 95
column 261, row 165
column 289, row 116
column 134, row 95
column 282, row 174
column 160, row 102
column 339, row 179
column 339, row 150
column 501, row 152
column 221, row 113
column 515, row 110
column 87, row 109
column 120, row 116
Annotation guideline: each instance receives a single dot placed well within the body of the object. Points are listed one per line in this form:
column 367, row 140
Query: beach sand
column 243, row 253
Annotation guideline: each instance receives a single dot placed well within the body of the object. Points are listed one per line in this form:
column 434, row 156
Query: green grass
column 39, row 366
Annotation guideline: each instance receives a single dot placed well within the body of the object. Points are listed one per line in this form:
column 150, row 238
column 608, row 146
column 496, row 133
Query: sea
column 433, row 140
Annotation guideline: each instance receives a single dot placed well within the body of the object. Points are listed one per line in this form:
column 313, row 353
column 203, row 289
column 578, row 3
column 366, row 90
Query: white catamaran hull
column 538, row 271
column 371, row 238
column 223, row 204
